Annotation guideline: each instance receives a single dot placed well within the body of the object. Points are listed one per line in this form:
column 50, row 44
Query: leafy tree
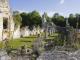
column 35, row 18
column 31, row 19
column 17, row 18
column 25, row 19
column 58, row 20
column 77, row 20
column 72, row 20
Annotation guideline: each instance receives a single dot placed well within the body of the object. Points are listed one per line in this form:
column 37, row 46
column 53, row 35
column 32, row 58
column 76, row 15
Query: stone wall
column 6, row 13
column 25, row 32
column 16, row 33
column 1, row 27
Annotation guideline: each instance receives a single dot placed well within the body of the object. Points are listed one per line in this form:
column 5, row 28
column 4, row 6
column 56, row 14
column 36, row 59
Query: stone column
column 1, row 27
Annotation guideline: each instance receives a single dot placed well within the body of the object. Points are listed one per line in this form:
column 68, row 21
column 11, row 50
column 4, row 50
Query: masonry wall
column 16, row 33
column 1, row 27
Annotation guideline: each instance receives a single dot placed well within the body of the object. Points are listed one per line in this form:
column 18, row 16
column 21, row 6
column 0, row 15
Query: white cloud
column 61, row 1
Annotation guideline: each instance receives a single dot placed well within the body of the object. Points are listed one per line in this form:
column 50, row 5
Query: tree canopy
column 17, row 18
column 33, row 18
column 58, row 20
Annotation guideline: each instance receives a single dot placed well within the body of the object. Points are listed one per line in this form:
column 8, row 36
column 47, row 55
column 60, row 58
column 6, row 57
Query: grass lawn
column 27, row 41
column 17, row 43
column 52, row 36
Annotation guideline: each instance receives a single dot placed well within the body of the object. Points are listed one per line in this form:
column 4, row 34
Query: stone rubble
column 60, row 55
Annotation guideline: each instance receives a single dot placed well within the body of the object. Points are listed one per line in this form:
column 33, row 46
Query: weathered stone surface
column 5, row 15
column 1, row 25
column 60, row 55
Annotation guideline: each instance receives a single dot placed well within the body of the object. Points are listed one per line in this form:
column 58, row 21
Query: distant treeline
column 35, row 19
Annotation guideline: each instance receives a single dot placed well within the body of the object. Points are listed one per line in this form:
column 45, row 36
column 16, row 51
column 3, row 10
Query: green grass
column 27, row 41
column 52, row 37
column 17, row 43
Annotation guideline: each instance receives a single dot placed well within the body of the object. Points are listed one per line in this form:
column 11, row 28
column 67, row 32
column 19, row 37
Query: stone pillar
column 1, row 27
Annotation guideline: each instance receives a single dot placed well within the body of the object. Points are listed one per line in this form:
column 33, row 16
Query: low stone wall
column 25, row 32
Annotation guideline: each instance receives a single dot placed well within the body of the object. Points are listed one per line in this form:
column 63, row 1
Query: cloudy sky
column 63, row 7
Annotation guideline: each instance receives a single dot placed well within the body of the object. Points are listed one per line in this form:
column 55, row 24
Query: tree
column 25, row 19
column 72, row 20
column 35, row 18
column 31, row 19
column 17, row 18
column 77, row 20
column 58, row 20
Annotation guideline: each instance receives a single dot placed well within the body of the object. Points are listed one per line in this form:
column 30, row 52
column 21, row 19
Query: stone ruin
column 7, row 30
column 6, row 20
column 60, row 55
column 60, row 52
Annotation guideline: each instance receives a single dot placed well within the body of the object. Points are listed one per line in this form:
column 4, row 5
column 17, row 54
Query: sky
column 63, row 7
